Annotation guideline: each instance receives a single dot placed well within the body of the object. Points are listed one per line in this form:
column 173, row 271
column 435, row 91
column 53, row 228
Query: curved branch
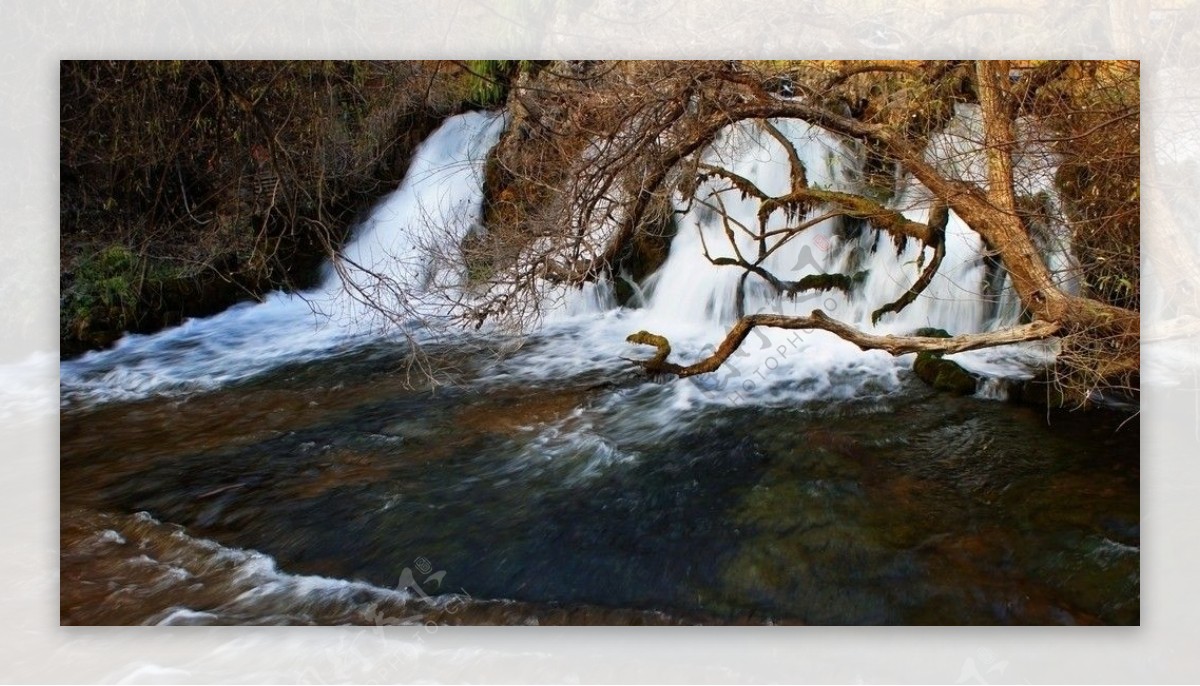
column 1031, row 277
column 939, row 215
column 896, row 345
column 799, row 173
column 850, row 205
column 811, row 282
column 741, row 183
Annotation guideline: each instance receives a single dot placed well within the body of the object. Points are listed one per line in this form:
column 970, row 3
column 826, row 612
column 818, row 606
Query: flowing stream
column 285, row 462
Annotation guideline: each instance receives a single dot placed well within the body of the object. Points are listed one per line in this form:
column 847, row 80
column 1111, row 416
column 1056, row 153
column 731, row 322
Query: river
column 302, row 460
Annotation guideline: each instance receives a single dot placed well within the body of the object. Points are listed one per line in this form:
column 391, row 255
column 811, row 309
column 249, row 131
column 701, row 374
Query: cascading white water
column 405, row 258
column 390, row 261
column 951, row 301
column 693, row 302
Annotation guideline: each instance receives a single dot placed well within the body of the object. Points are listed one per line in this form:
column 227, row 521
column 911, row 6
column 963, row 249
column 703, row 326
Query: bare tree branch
column 656, row 123
column 938, row 216
column 896, row 345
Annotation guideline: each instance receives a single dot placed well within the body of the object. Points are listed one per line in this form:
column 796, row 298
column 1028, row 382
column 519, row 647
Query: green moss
column 830, row 282
column 942, row 374
column 929, row 332
column 107, row 293
column 104, row 290
column 480, row 271
column 647, row 338
column 491, row 79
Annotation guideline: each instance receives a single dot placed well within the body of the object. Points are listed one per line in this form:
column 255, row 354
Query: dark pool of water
column 912, row 508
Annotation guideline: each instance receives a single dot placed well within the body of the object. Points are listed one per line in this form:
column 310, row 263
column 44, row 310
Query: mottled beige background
column 35, row 34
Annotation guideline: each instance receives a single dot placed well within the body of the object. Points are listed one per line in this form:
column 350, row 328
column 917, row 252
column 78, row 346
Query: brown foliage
column 623, row 137
column 230, row 177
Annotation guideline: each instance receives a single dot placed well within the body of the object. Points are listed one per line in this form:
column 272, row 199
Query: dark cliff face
column 187, row 187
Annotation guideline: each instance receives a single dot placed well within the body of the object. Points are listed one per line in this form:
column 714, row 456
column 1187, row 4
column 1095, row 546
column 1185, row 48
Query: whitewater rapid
column 405, row 257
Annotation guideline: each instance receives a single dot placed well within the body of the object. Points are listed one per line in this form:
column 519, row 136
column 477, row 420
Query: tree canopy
column 596, row 152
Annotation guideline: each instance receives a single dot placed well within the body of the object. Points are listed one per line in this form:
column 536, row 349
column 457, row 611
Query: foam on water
column 135, row 569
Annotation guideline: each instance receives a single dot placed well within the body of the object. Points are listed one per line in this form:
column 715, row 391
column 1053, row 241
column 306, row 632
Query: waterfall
column 959, row 299
column 398, row 259
column 694, row 302
column 405, row 257
column 951, row 301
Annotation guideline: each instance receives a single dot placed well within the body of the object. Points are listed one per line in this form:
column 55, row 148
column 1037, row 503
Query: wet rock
column 943, row 374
